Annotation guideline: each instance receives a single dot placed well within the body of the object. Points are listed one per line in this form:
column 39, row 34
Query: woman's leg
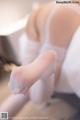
column 13, row 104
column 27, row 76
column 22, row 78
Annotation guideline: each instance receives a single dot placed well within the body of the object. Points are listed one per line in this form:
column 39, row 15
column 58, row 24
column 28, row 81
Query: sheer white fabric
column 29, row 49
column 70, row 76
column 44, row 88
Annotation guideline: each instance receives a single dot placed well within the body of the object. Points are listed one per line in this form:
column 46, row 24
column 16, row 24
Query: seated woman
column 50, row 28
column 53, row 27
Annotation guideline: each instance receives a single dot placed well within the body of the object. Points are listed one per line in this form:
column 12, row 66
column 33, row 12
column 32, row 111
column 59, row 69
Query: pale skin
column 61, row 38
column 19, row 100
column 59, row 34
column 66, row 14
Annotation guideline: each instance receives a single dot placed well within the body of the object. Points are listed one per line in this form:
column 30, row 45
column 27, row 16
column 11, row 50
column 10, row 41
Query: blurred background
column 13, row 18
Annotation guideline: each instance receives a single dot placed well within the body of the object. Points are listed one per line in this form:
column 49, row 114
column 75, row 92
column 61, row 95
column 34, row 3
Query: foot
column 22, row 78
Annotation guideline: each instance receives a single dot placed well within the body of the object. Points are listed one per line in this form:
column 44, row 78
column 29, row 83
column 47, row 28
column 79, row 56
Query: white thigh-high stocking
column 42, row 90
column 22, row 78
